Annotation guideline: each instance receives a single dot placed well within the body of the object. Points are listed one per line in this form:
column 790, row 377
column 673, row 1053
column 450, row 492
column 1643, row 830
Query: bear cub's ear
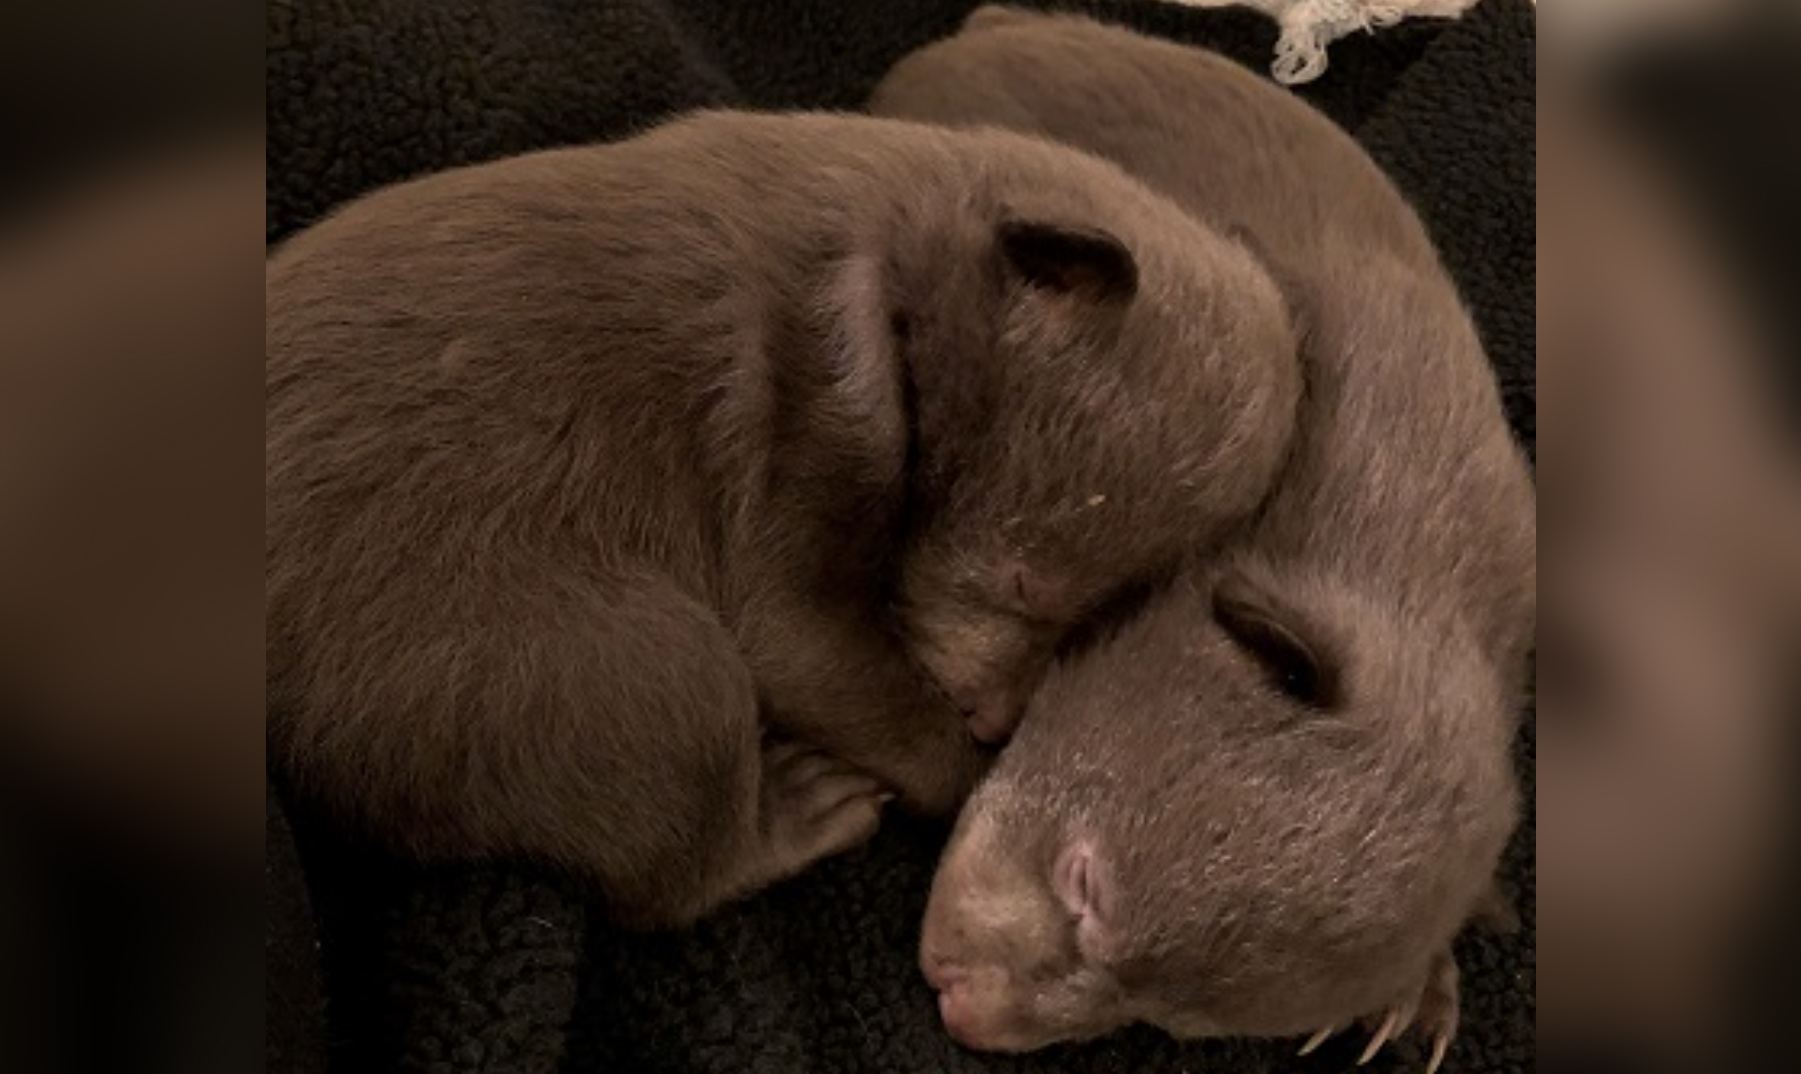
column 1084, row 885
column 1083, row 262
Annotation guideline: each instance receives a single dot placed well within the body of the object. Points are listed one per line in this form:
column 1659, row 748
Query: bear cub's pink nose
column 941, row 973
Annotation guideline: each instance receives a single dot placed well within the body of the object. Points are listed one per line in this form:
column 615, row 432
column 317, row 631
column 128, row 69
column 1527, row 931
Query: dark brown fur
column 1265, row 803
column 587, row 467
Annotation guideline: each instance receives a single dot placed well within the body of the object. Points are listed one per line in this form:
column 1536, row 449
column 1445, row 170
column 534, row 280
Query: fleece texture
column 379, row 964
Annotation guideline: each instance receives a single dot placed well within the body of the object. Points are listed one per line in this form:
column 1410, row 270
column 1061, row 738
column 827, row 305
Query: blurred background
column 1669, row 294
column 130, row 570
column 1669, row 252
column 129, row 574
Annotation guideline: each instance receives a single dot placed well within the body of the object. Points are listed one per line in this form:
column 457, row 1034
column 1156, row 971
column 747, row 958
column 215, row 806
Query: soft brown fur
column 587, row 467
column 1265, row 803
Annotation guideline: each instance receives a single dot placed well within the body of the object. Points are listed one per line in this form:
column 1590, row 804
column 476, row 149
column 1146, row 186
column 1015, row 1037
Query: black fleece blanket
column 379, row 964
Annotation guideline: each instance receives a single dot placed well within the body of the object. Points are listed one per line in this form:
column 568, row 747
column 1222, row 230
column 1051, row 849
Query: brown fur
column 1266, row 802
column 586, row 467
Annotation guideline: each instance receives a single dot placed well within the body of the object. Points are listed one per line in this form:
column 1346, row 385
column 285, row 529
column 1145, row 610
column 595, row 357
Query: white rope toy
column 1309, row 26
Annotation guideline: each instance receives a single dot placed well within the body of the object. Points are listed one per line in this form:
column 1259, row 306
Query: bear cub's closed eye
column 1292, row 666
